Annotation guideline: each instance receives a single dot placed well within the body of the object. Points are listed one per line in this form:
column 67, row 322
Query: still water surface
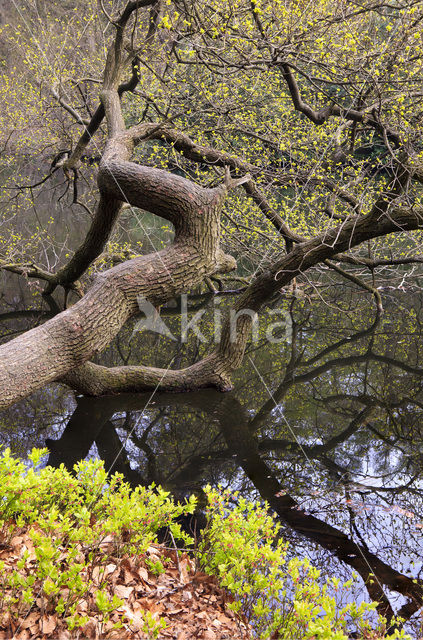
column 325, row 425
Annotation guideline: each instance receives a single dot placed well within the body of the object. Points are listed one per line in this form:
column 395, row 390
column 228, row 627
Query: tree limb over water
column 362, row 107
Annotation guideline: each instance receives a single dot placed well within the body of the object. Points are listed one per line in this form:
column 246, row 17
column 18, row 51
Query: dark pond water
column 326, row 425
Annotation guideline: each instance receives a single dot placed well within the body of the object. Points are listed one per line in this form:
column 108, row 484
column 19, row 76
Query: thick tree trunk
column 71, row 338
column 48, row 352
column 216, row 369
column 62, row 347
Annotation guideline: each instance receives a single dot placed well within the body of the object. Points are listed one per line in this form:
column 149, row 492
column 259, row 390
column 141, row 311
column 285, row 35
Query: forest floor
column 160, row 592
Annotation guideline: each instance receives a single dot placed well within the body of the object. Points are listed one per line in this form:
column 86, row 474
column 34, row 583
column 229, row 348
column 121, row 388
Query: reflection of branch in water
column 91, row 415
column 153, row 473
column 241, row 442
column 238, row 428
column 291, row 377
column 317, row 450
column 38, row 315
column 110, row 450
column 351, row 339
column 81, row 431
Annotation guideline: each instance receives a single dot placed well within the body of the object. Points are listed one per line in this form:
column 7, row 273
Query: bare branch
column 360, row 283
column 75, row 115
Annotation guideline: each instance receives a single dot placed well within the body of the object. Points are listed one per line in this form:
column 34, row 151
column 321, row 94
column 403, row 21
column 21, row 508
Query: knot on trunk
column 225, row 262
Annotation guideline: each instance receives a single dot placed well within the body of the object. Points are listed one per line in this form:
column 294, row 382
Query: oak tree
column 281, row 133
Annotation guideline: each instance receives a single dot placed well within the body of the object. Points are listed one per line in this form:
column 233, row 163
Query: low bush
column 69, row 525
column 279, row 597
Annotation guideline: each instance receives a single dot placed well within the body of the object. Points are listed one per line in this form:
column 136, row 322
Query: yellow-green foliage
column 214, row 71
column 70, row 517
column 286, row 599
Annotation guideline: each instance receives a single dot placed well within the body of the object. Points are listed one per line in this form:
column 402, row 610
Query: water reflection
column 327, row 428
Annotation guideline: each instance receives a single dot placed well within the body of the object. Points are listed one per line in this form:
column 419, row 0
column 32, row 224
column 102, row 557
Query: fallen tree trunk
column 62, row 348
column 48, row 352
column 216, row 369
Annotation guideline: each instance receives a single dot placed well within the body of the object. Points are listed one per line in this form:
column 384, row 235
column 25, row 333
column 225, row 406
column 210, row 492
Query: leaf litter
column 190, row 602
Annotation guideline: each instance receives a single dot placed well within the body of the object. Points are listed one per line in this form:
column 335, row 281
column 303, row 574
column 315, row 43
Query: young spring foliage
column 280, row 597
column 78, row 521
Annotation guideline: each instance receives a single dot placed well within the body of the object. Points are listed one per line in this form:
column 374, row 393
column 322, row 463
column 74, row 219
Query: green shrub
column 280, row 598
column 76, row 521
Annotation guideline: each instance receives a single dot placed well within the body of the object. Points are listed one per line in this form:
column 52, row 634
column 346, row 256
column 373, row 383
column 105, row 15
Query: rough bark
column 216, row 369
column 63, row 346
column 71, row 338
